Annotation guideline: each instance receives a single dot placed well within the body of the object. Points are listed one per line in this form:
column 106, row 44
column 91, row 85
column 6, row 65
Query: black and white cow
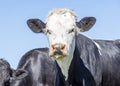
column 83, row 61
column 8, row 75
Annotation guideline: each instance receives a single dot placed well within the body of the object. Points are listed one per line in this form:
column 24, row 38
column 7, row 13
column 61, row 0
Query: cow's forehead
column 61, row 12
column 63, row 19
column 56, row 18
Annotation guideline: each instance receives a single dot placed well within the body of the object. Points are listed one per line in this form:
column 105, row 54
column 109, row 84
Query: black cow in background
column 9, row 75
column 40, row 67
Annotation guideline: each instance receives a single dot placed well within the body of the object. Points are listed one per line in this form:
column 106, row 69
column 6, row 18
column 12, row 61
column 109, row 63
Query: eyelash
column 72, row 30
column 48, row 32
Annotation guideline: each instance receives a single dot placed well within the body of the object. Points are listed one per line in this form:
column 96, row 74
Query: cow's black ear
column 36, row 25
column 19, row 74
column 86, row 23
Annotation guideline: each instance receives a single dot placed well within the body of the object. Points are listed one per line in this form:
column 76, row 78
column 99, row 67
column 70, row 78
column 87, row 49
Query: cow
column 9, row 75
column 81, row 61
column 40, row 67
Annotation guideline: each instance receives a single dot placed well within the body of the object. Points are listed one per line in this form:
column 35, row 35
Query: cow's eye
column 72, row 30
column 49, row 32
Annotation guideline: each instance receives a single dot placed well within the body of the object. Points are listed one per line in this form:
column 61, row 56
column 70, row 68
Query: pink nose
column 58, row 47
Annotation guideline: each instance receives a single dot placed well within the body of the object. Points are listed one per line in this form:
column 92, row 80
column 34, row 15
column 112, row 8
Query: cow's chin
column 58, row 56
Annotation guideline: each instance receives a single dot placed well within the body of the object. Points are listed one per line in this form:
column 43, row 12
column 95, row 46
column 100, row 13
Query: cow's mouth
column 58, row 55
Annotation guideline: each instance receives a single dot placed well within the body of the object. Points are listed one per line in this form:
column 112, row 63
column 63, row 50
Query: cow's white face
column 60, row 28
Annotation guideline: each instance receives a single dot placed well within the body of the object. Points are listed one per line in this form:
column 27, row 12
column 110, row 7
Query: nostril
column 62, row 47
column 58, row 47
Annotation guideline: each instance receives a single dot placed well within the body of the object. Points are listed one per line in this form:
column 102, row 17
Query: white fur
column 59, row 23
column 99, row 48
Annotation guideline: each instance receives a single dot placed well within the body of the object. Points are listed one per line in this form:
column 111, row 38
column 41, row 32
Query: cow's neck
column 64, row 64
column 76, row 70
column 73, row 71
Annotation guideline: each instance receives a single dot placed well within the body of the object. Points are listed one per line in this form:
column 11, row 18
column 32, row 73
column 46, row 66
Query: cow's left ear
column 36, row 25
column 19, row 74
column 85, row 24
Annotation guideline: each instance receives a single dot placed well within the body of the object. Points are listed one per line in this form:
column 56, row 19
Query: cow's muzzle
column 58, row 49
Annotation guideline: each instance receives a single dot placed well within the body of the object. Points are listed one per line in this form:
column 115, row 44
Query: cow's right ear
column 36, row 25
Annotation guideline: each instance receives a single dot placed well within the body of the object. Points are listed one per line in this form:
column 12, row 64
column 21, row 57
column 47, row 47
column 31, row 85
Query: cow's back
column 110, row 56
column 102, row 58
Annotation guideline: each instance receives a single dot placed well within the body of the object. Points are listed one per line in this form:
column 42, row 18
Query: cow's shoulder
column 83, row 42
column 82, row 37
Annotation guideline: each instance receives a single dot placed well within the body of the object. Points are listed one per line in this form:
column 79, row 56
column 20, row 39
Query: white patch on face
column 61, row 29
